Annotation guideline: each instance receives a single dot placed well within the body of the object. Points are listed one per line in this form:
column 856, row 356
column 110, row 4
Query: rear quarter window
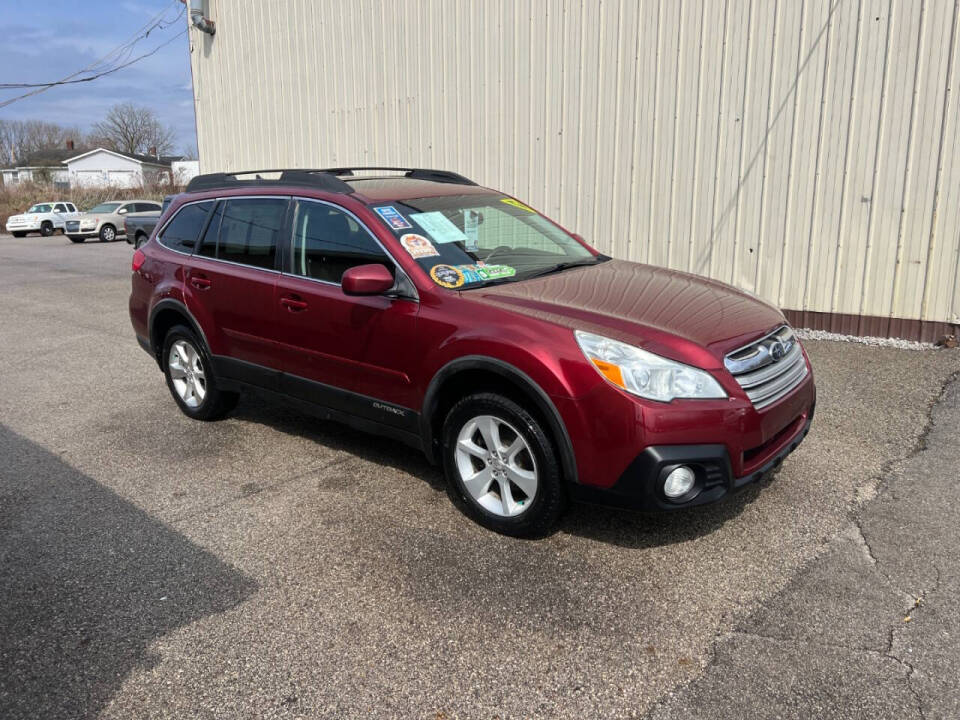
column 182, row 231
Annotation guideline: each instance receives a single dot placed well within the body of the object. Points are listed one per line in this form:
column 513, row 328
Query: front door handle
column 293, row 303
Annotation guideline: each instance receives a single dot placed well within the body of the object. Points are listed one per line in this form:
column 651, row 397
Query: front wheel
column 501, row 466
column 108, row 233
column 190, row 377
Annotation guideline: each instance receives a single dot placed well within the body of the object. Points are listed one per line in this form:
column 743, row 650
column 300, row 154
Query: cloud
column 53, row 40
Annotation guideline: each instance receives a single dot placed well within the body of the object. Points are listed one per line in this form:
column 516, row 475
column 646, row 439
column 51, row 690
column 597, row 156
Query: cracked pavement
column 275, row 566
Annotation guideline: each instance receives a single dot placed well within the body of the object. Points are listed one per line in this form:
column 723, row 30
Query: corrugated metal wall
column 802, row 149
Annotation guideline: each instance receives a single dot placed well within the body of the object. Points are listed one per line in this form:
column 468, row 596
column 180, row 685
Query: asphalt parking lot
column 273, row 565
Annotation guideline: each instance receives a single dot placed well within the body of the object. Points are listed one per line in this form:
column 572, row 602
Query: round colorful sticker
column 447, row 276
column 418, row 246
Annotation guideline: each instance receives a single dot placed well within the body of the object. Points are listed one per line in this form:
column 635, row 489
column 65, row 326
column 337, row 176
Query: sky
column 46, row 40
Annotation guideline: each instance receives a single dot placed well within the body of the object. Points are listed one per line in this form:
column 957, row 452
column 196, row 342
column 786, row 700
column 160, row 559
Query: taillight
column 138, row 260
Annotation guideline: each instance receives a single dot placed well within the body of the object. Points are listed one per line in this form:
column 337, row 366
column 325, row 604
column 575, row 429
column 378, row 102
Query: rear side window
column 60, row 207
column 250, row 231
column 71, row 207
column 181, row 233
column 327, row 242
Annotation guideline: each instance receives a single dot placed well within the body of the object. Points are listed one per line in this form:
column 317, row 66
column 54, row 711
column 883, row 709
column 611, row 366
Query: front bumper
column 639, row 487
column 23, row 227
column 624, row 444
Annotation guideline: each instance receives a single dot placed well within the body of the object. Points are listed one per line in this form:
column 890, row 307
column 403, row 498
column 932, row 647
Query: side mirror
column 122, row 211
column 372, row 279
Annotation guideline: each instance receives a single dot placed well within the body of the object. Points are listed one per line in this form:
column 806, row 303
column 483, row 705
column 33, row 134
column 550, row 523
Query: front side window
column 181, row 232
column 246, row 231
column 44, row 208
column 480, row 239
column 327, row 242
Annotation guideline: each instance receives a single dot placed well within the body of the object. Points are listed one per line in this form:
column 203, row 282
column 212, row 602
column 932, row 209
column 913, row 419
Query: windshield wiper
column 560, row 267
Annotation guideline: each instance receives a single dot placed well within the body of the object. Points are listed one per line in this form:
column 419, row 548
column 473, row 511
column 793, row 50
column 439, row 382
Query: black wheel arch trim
column 172, row 304
column 543, row 402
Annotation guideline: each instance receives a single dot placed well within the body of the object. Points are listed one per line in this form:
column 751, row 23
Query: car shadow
column 626, row 528
column 87, row 582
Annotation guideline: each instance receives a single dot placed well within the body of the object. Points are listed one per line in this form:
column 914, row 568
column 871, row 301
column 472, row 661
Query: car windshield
column 104, row 208
column 40, row 208
column 465, row 241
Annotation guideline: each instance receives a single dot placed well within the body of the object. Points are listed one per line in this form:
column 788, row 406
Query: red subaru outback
column 420, row 306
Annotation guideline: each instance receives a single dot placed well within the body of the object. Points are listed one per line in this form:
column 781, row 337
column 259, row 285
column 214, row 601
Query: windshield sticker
column 439, row 227
column 418, row 246
column 447, row 276
column 393, row 218
column 471, row 273
column 491, row 272
column 516, row 204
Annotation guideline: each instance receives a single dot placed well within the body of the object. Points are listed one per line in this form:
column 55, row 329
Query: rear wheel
column 46, row 228
column 190, row 377
column 108, row 233
column 501, row 466
column 139, row 240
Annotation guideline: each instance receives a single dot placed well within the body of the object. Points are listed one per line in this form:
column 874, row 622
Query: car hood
column 665, row 311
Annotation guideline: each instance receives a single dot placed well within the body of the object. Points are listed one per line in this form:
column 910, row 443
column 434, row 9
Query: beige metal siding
column 802, row 149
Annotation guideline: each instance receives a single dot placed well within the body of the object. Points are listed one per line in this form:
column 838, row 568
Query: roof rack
column 322, row 179
column 442, row 176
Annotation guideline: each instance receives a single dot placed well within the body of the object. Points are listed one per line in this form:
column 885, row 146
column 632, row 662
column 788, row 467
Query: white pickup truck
column 43, row 218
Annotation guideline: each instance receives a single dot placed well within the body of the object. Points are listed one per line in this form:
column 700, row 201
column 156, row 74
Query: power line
column 114, row 56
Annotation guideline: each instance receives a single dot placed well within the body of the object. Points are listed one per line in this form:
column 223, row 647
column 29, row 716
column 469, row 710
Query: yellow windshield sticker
column 447, row 276
column 516, row 204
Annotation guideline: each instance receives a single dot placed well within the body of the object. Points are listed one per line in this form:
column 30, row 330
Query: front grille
column 73, row 225
column 770, row 368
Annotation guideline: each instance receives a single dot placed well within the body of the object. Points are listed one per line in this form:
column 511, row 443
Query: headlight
column 645, row 374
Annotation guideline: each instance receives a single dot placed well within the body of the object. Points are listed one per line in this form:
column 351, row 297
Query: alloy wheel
column 496, row 466
column 187, row 374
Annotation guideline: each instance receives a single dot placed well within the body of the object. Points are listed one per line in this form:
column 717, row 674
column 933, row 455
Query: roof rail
column 442, row 176
column 321, row 179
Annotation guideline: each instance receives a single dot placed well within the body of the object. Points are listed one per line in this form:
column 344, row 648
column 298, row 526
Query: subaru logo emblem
column 777, row 350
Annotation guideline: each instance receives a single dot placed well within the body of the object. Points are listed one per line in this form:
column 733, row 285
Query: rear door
column 230, row 286
column 354, row 354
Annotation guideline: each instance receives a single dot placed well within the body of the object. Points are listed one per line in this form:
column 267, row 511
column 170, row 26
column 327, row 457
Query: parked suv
column 459, row 320
column 106, row 219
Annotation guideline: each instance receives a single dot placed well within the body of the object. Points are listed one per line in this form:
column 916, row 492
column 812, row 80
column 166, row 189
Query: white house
column 101, row 167
column 184, row 171
column 41, row 166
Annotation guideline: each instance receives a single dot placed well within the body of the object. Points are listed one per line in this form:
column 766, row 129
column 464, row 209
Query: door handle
column 293, row 303
column 200, row 282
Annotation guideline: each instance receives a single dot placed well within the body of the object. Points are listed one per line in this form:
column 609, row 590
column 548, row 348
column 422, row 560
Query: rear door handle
column 293, row 303
column 200, row 282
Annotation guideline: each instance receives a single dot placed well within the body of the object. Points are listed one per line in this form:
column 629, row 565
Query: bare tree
column 21, row 137
column 133, row 129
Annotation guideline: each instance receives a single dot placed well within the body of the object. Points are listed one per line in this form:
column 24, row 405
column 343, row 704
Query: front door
column 354, row 354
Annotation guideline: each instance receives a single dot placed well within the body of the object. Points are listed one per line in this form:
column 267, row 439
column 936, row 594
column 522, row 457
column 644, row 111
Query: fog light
column 679, row 482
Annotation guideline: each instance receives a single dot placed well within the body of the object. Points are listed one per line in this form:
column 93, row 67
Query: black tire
column 549, row 500
column 139, row 240
column 19, row 234
column 216, row 402
column 46, row 228
column 108, row 233
column 76, row 238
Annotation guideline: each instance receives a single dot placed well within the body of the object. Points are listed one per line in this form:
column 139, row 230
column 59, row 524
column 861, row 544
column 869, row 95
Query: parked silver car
column 106, row 219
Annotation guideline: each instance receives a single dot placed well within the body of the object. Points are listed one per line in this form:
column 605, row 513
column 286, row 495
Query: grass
column 15, row 199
